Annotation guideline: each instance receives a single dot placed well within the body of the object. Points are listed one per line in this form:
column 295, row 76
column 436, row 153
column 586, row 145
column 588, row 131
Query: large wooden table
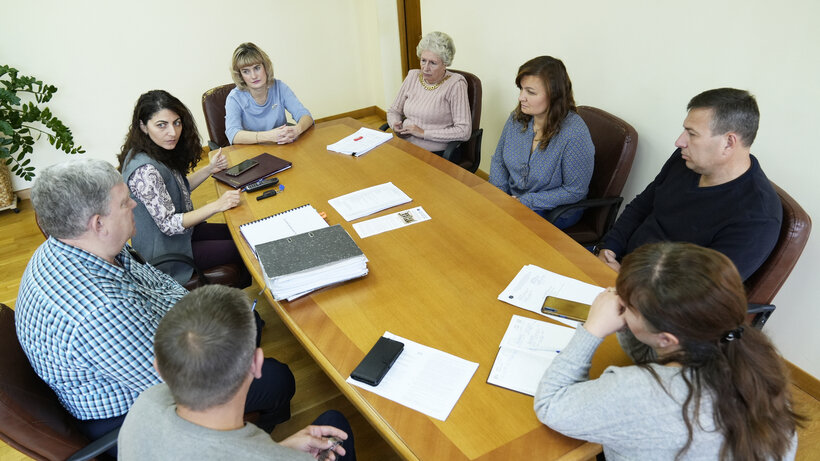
column 435, row 283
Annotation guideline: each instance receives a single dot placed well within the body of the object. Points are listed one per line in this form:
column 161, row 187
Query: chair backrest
column 763, row 285
column 615, row 143
column 213, row 105
column 471, row 149
column 31, row 418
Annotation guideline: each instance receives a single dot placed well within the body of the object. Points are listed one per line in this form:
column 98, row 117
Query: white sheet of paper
column 367, row 201
column 392, row 221
column 532, row 285
column 527, row 349
column 360, row 142
column 425, row 379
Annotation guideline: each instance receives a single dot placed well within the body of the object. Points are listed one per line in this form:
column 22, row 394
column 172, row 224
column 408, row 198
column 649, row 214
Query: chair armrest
column 178, row 257
column 97, row 447
column 212, row 145
column 761, row 313
column 384, row 127
column 450, row 150
column 556, row 212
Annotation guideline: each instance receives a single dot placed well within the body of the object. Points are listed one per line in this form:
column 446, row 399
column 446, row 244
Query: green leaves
column 21, row 124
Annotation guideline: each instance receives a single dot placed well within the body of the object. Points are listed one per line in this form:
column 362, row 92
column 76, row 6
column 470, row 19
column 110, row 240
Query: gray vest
column 149, row 241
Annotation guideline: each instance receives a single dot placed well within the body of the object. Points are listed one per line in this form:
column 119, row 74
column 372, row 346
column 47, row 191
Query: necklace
column 431, row 87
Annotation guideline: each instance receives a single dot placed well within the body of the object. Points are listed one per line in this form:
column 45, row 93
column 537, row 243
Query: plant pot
column 7, row 197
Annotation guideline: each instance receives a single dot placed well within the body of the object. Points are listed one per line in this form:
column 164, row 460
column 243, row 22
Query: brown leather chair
column 763, row 285
column 32, row 420
column 466, row 154
column 226, row 274
column 615, row 144
column 213, row 105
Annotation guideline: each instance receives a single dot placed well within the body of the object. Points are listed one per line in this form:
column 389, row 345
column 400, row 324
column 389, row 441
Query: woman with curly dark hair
column 714, row 388
column 157, row 161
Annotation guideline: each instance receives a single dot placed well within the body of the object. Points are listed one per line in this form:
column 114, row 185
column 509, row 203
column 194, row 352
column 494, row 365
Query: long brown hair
column 185, row 155
column 560, row 101
column 696, row 294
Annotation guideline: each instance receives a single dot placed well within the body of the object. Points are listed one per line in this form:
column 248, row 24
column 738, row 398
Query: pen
column 356, row 139
column 254, row 304
column 547, row 308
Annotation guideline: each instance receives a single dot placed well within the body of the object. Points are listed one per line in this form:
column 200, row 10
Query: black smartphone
column 378, row 361
column 237, row 170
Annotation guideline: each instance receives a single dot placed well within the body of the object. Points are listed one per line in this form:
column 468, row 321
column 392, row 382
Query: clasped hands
column 405, row 128
column 284, row 134
column 606, row 314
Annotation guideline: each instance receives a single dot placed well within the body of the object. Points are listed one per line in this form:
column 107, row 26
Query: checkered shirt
column 87, row 326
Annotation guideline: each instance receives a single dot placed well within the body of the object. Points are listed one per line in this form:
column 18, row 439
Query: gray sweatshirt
column 625, row 409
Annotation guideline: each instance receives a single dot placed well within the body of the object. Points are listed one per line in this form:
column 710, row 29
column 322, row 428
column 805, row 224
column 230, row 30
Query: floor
column 19, row 237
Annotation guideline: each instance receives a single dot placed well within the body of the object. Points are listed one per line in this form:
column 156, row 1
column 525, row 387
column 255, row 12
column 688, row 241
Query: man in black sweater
column 711, row 192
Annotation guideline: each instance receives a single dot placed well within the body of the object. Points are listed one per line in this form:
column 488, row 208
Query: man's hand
column 315, row 439
column 608, row 257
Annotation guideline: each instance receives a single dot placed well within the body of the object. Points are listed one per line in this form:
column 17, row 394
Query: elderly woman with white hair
column 431, row 108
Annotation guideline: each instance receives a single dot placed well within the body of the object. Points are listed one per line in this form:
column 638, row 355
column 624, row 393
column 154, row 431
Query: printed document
column 392, row 221
column 532, row 285
column 360, row 142
column 525, row 353
column 367, row 201
column 425, row 379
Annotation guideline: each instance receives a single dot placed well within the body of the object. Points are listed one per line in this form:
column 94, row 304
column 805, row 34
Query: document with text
column 525, row 353
column 367, row 201
column 425, row 379
column 360, row 142
column 532, row 285
column 392, row 221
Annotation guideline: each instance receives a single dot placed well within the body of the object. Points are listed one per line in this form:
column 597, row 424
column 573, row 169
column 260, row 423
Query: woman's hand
column 218, row 162
column 410, row 128
column 606, row 314
column 608, row 257
column 287, row 134
column 314, row 440
column 228, row 200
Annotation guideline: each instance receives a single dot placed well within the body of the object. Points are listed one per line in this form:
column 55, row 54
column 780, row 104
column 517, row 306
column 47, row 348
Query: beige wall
column 643, row 61
column 102, row 55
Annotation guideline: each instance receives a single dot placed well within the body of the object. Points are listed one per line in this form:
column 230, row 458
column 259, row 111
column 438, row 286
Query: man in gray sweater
column 205, row 352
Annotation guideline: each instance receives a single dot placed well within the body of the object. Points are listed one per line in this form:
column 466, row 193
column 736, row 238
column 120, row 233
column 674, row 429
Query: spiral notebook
column 285, row 224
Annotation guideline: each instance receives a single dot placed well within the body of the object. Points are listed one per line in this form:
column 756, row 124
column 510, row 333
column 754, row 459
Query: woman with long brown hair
column 716, row 389
column 545, row 155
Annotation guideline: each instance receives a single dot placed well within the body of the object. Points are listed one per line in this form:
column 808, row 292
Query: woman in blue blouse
column 545, row 155
column 255, row 109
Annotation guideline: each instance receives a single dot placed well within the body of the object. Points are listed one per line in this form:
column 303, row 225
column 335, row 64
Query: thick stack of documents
column 367, row 201
column 295, row 266
column 360, row 142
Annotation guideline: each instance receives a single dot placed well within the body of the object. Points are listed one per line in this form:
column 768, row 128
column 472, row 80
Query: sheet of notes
column 425, row 379
column 392, row 221
column 532, row 285
column 367, row 201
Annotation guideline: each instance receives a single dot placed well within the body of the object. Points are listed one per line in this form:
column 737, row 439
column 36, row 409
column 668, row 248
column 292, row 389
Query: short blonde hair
column 248, row 54
column 440, row 44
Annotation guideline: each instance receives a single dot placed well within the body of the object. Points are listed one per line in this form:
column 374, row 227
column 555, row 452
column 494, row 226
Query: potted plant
column 23, row 123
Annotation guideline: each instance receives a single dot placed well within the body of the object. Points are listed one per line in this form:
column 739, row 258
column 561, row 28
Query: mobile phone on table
column 378, row 361
column 244, row 166
column 565, row 308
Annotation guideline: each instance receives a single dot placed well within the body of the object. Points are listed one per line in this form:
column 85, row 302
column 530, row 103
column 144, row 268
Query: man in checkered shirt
column 89, row 305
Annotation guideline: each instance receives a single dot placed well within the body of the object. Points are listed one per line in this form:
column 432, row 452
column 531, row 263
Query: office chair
column 32, row 420
column 213, row 105
column 765, row 282
column 615, row 144
column 466, row 154
column 226, row 274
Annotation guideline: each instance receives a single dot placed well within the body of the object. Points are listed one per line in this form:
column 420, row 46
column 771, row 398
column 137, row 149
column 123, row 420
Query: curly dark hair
column 553, row 75
column 184, row 157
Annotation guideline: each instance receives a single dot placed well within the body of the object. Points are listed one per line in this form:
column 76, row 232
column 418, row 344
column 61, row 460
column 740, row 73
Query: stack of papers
column 360, row 142
column 365, row 202
column 424, row 379
column 297, row 265
column 525, row 353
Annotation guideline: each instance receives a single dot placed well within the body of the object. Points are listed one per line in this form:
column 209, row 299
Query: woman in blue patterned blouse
column 545, row 155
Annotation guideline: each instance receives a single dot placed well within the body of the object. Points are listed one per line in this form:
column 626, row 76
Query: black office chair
column 32, row 420
column 466, row 154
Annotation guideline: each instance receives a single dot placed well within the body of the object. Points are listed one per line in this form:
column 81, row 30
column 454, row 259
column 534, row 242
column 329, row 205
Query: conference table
column 434, row 282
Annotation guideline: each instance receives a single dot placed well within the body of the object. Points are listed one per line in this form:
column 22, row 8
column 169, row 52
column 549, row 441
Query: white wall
column 643, row 61
column 102, row 55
